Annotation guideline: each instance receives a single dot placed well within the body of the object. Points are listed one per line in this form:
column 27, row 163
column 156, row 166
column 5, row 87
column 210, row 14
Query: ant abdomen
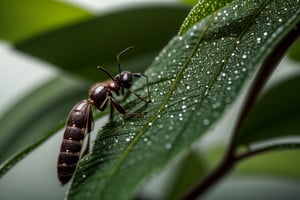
column 79, row 122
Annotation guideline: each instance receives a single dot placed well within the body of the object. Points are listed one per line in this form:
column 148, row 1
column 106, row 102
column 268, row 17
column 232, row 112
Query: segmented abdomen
column 78, row 124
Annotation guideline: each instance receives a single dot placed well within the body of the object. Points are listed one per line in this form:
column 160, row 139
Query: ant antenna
column 106, row 72
column 118, row 59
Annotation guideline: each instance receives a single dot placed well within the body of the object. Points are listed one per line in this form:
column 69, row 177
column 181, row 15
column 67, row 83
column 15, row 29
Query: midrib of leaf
column 179, row 75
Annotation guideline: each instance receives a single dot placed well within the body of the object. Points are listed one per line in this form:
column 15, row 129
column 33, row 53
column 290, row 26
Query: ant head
column 126, row 79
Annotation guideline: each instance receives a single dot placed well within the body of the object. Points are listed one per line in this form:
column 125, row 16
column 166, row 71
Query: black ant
column 80, row 119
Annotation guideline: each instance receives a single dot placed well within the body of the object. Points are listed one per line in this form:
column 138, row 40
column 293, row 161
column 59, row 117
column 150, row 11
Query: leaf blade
column 24, row 19
column 261, row 124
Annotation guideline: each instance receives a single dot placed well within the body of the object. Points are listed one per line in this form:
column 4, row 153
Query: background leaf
column 20, row 20
column 276, row 114
column 37, row 112
column 190, row 171
column 294, row 52
column 192, row 81
column 81, row 47
column 280, row 164
column 189, row 2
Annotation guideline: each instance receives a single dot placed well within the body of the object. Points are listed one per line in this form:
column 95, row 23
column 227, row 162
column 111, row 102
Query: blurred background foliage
column 74, row 40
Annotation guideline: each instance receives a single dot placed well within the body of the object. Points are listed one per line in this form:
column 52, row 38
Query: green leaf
column 81, row 47
column 13, row 160
column 192, row 81
column 200, row 11
column 189, row 2
column 276, row 114
column 37, row 112
column 278, row 164
column 294, row 52
column 23, row 19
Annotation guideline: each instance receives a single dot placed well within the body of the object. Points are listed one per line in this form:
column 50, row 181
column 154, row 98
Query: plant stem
column 230, row 159
column 223, row 168
column 264, row 149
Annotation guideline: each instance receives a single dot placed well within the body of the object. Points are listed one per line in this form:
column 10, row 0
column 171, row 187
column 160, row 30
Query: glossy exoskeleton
column 80, row 119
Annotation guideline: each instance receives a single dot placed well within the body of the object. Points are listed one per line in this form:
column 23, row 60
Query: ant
column 80, row 119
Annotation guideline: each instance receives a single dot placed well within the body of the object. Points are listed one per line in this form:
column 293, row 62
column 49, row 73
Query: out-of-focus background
column 35, row 177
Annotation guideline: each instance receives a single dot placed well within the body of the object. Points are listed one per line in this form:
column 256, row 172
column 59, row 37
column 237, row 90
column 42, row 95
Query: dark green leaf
column 83, row 46
column 200, row 11
column 37, row 112
column 23, row 19
column 192, row 81
column 276, row 114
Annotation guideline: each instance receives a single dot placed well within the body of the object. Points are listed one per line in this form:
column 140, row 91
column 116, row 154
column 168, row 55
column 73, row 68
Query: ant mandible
column 80, row 119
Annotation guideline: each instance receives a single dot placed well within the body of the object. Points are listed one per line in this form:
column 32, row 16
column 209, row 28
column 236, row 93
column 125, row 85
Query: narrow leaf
column 13, row 160
column 20, row 20
column 37, row 112
column 275, row 115
column 81, row 47
column 192, row 81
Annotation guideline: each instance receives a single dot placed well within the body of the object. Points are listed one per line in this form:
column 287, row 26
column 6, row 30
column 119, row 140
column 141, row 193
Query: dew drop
column 168, row 146
column 258, row 40
column 206, row 122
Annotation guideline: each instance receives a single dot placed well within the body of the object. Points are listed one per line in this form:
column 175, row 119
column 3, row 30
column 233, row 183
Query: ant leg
column 116, row 104
column 90, row 126
column 141, row 98
column 103, row 105
column 111, row 112
column 87, row 148
column 138, row 75
column 121, row 109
